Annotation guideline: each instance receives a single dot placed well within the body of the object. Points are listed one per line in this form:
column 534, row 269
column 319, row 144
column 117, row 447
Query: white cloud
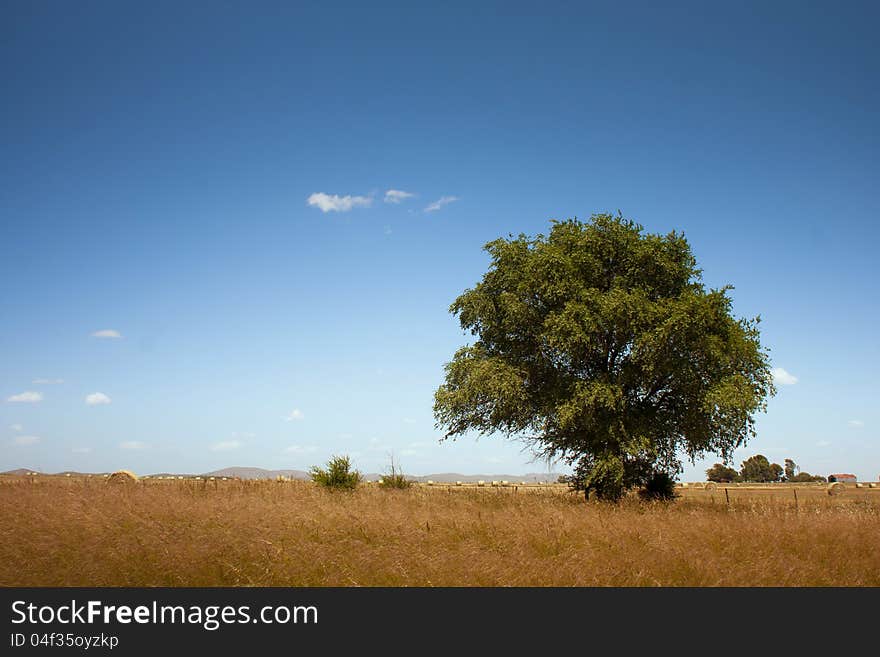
column 16, row 427
column 107, row 333
column 334, row 203
column 132, row 444
column 301, row 449
column 81, row 450
column 409, row 452
column 440, row 202
column 823, row 443
column 397, row 196
column 97, row 398
column 295, row 414
column 856, row 424
column 26, row 440
column 47, row 382
column 225, row 445
column 29, row 397
column 408, row 420
column 783, row 378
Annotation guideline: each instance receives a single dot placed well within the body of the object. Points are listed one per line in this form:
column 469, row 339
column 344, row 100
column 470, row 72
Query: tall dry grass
column 56, row 532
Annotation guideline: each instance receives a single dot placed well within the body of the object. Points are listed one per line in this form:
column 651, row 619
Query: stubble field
column 86, row 532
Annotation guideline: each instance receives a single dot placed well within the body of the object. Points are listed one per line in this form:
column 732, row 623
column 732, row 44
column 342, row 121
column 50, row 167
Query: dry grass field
column 57, row 531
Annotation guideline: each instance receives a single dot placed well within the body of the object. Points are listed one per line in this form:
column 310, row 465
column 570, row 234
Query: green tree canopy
column 758, row 469
column 721, row 473
column 599, row 345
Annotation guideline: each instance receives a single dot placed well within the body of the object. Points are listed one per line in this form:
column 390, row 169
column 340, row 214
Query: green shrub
column 337, row 476
column 661, row 486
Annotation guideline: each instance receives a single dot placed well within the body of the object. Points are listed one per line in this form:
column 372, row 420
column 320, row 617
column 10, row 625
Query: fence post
column 727, row 495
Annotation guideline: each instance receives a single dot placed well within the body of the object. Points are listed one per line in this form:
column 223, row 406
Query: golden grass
column 81, row 532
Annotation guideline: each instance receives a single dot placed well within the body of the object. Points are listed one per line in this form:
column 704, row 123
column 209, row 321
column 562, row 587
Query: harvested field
column 69, row 531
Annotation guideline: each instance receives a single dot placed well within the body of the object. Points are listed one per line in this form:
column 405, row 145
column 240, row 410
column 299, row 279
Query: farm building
column 843, row 478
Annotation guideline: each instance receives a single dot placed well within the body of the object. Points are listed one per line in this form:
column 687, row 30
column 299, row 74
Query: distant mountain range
column 261, row 473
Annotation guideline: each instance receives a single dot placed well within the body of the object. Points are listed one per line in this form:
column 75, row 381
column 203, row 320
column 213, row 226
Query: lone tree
column 599, row 345
column 721, row 473
column 758, row 469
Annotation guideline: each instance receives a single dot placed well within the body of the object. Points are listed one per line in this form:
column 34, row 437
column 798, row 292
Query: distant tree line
column 758, row 468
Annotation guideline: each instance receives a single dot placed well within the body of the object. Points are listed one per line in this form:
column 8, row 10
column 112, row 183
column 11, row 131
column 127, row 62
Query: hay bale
column 835, row 488
column 122, row 477
column 710, row 485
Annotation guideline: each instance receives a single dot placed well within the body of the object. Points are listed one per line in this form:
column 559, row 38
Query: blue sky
column 209, row 182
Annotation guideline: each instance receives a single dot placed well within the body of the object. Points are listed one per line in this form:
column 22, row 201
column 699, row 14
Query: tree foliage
column 806, row 477
column 722, row 474
column 758, row 469
column 791, row 469
column 599, row 345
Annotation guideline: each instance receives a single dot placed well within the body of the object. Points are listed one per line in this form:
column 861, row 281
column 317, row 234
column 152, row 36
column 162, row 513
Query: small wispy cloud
column 47, row 382
column 409, row 452
column 26, row 440
column 226, row 445
column 440, row 202
column 301, row 449
column 97, row 398
column 783, row 378
column 28, row 397
column 408, row 420
column 334, row 203
column 856, row 424
column 81, row 450
column 107, row 333
column 823, row 443
column 132, row 444
column 17, row 428
column 295, row 414
column 397, row 196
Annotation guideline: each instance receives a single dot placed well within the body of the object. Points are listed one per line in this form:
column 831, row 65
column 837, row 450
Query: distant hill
column 257, row 473
column 451, row 477
column 442, row 477
column 262, row 473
